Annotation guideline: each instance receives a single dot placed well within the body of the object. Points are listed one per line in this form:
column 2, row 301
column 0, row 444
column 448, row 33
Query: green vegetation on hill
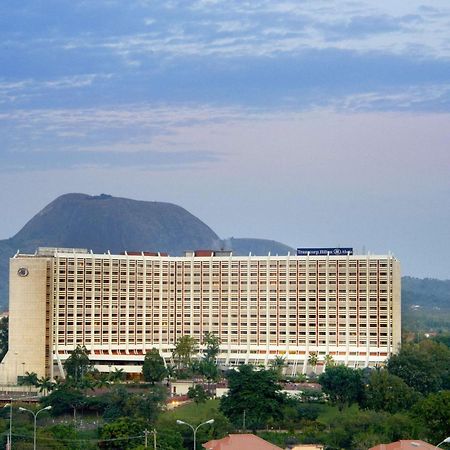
column 425, row 306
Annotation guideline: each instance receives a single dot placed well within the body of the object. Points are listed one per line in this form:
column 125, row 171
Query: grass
column 191, row 412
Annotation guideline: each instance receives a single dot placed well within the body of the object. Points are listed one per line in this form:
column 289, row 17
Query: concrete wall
column 27, row 319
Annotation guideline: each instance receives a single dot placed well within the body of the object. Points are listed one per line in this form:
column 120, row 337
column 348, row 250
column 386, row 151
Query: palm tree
column 313, row 360
column 45, row 385
column 277, row 365
column 328, row 361
column 117, row 376
column 102, row 380
column 29, row 379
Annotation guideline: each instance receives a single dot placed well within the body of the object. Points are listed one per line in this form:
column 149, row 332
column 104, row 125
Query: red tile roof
column 240, row 442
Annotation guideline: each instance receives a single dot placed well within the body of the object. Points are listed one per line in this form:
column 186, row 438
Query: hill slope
column 105, row 223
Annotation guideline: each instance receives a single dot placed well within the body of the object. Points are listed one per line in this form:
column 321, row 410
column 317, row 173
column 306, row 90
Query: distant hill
column 101, row 223
column 426, row 293
column 425, row 306
column 243, row 246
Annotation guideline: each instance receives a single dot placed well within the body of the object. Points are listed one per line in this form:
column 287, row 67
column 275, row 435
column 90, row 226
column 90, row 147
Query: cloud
column 121, row 155
column 13, row 91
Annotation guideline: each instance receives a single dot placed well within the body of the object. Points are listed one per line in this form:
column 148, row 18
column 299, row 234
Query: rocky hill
column 102, row 223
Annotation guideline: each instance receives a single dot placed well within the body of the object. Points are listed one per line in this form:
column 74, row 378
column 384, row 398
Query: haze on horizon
column 313, row 123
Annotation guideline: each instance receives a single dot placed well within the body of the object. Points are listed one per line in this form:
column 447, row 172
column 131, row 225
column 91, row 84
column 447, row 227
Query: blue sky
column 315, row 123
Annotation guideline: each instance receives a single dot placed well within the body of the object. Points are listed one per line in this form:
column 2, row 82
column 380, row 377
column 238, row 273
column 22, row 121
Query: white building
column 121, row 306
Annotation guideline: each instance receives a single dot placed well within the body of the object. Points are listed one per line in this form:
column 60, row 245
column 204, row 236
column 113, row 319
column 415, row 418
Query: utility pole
column 243, row 421
column 146, row 438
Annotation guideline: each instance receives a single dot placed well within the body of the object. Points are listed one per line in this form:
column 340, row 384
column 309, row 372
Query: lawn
column 191, row 412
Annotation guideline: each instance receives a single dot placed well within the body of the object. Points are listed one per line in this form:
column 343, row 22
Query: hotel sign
column 340, row 251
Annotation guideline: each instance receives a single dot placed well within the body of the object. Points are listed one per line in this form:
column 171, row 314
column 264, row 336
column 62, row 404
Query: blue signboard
column 340, row 251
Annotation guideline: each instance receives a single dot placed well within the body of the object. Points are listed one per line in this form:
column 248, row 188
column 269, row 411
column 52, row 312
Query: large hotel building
column 121, row 306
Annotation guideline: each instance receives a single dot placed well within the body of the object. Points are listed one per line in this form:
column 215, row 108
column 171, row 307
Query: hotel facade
column 121, row 306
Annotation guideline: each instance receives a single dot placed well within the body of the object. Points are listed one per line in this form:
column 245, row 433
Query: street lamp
column 180, row 422
column 35, row 418
column 445, row 441
column 10, row 423
column 146, row 433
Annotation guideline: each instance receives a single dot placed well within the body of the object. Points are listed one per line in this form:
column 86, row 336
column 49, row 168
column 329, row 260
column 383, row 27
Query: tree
column 117, row 376
column 328, row 361
column 424, row 366
column 153, row 368
column 207, row 366
column 313, row 360
column 29, row 379
column 342, row 384
column 120, row 403
column 185, row 348
column 212, row 346
column 198, row 394
column 386, row 392
column 208, row 369
column 45, row 385
column 168, row 438
column 277, row 365
column 78, row 364
column 65, row 399
column 255, row 393
column 124, row 433
column 434, row 412
column 4, row 336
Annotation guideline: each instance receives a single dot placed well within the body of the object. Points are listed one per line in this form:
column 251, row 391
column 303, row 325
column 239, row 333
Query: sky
column 314, row 123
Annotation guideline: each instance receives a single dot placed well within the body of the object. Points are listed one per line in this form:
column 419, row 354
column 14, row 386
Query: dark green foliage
column 355, row 429
column 443, row 338
column 342, row 384
column 427, row 292
column 64, row 400
column 185, row 347
column 120, row 403
column 212, row 347
column 257, row 393
column 208, row 369
column 123, row 434
column 167, row 439
column 4, row 334
column 277, row 365
column 387, row 392
column 308, row 411
column 66, row 435
column 153, row 368
column 433, row 298
column 198, row 393
column 434, row 413
column 29, row 379
column 424, row 366
column 78, row 365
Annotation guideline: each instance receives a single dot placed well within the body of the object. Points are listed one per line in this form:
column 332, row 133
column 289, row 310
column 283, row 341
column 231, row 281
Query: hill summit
column 104, row 222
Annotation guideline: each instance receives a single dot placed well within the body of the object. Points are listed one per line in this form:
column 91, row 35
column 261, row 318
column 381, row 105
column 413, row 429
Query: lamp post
column 146, row 433
column 35, row 419
column 10, row 423
column 181, row 422
column 445, row 441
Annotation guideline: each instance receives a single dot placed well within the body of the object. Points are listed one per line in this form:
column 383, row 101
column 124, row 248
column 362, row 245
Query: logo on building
column 332, row 251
